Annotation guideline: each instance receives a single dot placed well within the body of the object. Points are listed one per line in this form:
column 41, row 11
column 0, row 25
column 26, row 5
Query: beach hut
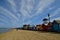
column 38, row 27
column 33, row 27
column 50, row 26
column 56, row 25
column 44, row 27
column 26, row 27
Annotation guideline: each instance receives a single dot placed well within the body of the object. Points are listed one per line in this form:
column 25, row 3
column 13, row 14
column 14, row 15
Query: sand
column 29, row 35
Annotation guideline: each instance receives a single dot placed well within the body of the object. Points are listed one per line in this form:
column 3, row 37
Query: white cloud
column 55, row 12
column 13, row 5
column 6, row 12
column 27, row 7
column 58, row 18
column 23, row 10
column 50, row 8
column 28, row 22
column 25, row 13
column 11, row 2
column 42, row 5
column 4, row 21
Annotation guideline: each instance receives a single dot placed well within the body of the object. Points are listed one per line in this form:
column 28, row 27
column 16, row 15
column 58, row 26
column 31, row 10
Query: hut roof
column 58, row 21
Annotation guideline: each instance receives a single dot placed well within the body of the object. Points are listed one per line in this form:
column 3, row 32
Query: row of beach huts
column 45, row 26
column 51, row 26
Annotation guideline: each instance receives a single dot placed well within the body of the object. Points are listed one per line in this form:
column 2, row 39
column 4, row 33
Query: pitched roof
column 58, row 21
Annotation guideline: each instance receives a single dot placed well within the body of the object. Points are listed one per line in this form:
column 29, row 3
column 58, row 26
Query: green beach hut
column 56, row 25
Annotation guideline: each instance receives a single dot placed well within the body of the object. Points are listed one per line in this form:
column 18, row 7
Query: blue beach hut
column 56, row 25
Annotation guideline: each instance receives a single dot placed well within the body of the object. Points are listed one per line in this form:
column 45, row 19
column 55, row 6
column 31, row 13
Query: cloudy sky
column 15, row 13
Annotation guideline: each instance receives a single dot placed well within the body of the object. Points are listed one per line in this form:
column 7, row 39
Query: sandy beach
column 29, row 35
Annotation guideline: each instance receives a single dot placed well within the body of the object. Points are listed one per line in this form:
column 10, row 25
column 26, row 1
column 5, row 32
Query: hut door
column 56, row 27
column 59, row 26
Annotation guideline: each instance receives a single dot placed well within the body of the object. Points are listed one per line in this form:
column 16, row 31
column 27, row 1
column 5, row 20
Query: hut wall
column 55, row 27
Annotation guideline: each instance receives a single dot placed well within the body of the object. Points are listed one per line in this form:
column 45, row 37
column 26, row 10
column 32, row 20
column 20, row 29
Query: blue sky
column 15, row 13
